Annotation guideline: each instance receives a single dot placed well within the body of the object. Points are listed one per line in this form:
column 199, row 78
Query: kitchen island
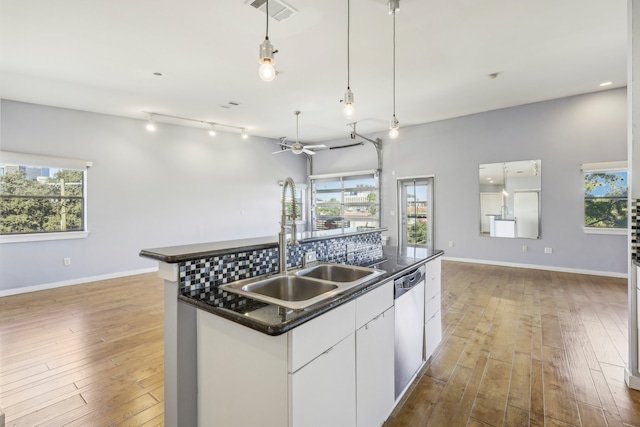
column 215, row 341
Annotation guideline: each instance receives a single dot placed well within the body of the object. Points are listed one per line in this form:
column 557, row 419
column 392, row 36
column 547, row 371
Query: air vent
column 231, row 104
column 278, row 9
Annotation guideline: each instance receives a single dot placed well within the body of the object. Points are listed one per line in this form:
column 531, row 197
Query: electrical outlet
column 450, row 244
column 524, row 248
column 67, row 262
column 548, row 250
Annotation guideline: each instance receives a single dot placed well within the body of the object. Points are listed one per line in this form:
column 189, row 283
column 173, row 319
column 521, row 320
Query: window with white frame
column 349, row 200
column 300, row 190
column 605, row 197
column 41, row 195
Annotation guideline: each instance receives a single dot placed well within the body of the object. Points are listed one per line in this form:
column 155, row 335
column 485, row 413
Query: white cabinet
column 374, row 361
column 374, row 356
column 305, row 377
column 323, row 392
column 432, row 304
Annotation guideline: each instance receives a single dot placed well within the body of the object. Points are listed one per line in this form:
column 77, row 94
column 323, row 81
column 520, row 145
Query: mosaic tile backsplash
column 635, row 226
column 200, row 278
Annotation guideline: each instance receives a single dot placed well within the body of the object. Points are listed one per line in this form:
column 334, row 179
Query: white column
column 632, row 376
column 180, row 357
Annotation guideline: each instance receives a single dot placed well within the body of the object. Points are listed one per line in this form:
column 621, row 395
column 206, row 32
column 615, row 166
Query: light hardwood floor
column 84, row 355
column 526, row 347
column 521, row 347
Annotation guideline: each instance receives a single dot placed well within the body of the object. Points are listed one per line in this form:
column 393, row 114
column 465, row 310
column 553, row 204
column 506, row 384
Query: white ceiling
column 100, row 56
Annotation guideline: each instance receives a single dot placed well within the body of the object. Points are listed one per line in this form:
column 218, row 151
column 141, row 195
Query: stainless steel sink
column 290, row 288
column 301, row 289
column 337, row 272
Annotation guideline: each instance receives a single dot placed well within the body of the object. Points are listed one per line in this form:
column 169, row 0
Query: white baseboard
column 539, row 267
column 632, row 381
column 15, row 291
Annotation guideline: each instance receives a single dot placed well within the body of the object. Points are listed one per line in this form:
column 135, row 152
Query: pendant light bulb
column 349, row 108
column 394, row 129
column 151, row 125
column 243, row 134
column 212, row 131
column 267, row 71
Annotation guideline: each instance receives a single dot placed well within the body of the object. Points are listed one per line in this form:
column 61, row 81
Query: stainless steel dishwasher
column 409, row 327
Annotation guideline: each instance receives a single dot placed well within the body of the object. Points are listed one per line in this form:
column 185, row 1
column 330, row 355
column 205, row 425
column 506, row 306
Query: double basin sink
column 303, row 288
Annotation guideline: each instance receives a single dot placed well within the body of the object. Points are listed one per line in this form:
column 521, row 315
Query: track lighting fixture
column 267, row 71
column 151, row 125
column 394, row 128
column 348, row 108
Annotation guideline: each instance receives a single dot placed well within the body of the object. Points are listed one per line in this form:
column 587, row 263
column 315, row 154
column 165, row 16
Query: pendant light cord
column 267, row 34
column 394, row 64
column 348, row 42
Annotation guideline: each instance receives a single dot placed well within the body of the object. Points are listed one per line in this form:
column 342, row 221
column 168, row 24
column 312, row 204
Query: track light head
column 151, row 125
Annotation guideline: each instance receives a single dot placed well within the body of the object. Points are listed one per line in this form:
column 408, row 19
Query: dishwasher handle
column 412, row 279
column 406, row 282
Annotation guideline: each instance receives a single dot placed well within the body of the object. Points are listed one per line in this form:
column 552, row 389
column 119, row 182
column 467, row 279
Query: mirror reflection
column 510, row 199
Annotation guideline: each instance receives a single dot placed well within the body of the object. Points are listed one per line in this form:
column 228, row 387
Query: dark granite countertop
column 265, row 318
column 175, row 254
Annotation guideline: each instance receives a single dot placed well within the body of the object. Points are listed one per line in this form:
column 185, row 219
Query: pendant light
column 267, row 71
column 394, row 6
column 348, row 96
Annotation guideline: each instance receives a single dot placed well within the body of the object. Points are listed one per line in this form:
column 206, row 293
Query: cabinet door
column 374, row 370
column 323, row 392
column 432, row 334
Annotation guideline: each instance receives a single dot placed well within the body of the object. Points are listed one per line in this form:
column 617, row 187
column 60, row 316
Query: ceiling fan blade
column 315, row 146
column 309, row 152
column 281, row 151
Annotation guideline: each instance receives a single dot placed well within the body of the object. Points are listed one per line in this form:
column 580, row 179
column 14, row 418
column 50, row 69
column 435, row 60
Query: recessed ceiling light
column 606, row 83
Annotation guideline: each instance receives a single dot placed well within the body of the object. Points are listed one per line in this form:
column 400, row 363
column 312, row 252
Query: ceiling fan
column 297, row 147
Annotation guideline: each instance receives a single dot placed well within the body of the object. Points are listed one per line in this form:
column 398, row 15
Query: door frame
column 431, row 211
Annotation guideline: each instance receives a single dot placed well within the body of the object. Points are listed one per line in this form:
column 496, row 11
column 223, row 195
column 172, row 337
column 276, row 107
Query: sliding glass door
column 415, row 212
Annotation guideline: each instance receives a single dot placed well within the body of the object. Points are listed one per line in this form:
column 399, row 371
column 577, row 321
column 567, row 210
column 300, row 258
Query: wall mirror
column 510, row 199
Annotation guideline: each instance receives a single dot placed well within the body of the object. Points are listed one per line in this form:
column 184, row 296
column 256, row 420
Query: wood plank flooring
column 525, row 348
column 84, row 355
column 520, row 348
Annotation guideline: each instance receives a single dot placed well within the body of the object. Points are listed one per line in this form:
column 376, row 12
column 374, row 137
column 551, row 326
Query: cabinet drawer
column 431, row 306
column 434, row 269
column 373, row 303
column 311, row 339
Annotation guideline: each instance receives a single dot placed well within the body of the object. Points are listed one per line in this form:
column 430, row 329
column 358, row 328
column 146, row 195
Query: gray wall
column 563, row 133
column 175, row 186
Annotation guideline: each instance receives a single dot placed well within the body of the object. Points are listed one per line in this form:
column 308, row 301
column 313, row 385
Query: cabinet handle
column 366, row 327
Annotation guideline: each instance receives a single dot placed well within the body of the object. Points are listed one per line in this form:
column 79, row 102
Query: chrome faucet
column 282, row 236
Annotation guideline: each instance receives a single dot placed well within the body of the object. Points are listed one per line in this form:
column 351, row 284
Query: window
column 346, row 201
column 300, row 205
column 41, row 196
column 605, row 197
